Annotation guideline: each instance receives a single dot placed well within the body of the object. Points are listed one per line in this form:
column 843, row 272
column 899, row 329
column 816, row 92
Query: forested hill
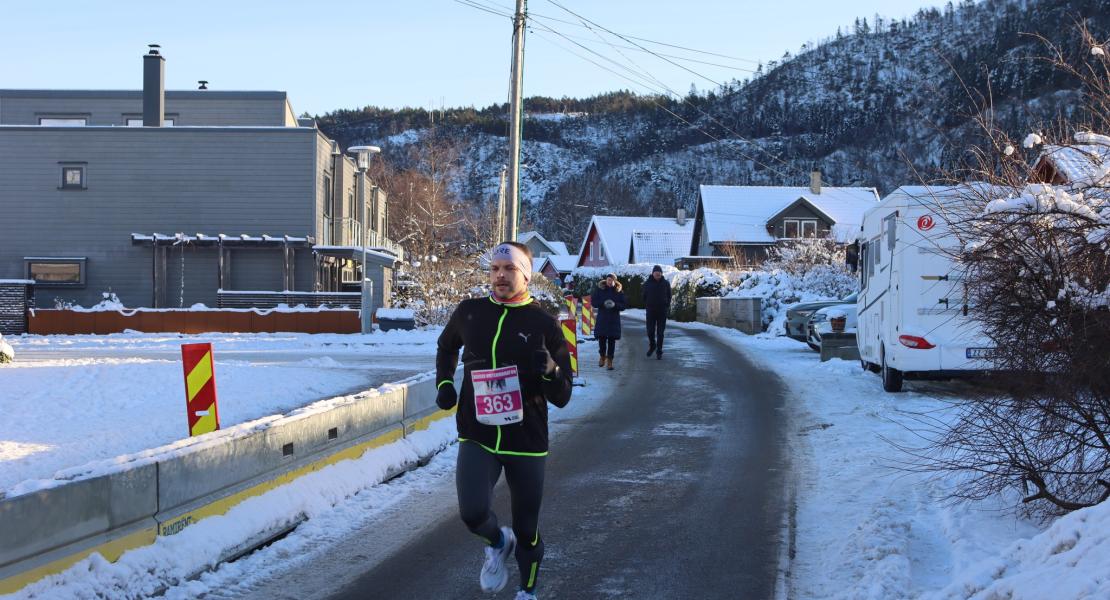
column 883, row 105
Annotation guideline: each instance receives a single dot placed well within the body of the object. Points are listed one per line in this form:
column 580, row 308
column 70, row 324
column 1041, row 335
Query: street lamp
column 363, row 153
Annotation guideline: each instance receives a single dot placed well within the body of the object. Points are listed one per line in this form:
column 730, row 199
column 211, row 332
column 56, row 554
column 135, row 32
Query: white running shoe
column 494, row 574
column 523, row 595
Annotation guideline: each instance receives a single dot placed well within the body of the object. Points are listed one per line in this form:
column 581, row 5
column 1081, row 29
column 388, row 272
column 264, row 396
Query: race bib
column 497, row 397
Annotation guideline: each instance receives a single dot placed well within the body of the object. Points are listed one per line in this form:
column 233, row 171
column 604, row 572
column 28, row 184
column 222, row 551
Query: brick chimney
column 154, row 88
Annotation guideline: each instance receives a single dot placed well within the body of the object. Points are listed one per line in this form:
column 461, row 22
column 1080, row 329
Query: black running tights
column 476, row 474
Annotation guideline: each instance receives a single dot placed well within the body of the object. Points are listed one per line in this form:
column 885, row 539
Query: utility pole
column 501, row 234
column 516, row 118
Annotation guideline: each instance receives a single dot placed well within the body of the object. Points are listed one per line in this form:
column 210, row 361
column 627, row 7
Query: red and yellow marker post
column 587, row 318
column 200, row 388
column 572, row 307
column 571, row 336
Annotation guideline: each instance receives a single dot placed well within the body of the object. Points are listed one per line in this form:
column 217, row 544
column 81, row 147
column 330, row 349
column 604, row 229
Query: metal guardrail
column 48, row 531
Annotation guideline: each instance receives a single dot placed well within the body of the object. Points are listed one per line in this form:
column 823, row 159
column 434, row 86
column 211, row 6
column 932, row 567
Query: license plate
column 981, row 352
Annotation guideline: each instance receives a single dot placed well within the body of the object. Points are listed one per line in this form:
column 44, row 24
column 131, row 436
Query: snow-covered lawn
column 71, row 400
column 868, row 530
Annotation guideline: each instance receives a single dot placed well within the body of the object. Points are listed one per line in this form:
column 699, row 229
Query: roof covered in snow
column 616, row 233
column 739, row 214
column 553, row 247
column 562, row 263
column 660, row 247
column 1083, row 164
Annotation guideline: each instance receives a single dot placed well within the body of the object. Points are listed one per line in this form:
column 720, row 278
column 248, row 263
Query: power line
column 642, row 39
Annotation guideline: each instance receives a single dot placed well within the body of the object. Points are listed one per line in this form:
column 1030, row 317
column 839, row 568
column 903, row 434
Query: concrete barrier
column 744, row 314
column 46, row 532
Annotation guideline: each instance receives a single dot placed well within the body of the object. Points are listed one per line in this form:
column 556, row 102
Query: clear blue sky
column 401, row 52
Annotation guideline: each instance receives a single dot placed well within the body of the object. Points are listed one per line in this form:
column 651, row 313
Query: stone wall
column 737, row 313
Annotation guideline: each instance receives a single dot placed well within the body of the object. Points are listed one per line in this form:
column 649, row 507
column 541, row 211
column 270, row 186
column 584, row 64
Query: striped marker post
column 200, row 388
column 587, row 318
column 571, row 336
column 572, row 307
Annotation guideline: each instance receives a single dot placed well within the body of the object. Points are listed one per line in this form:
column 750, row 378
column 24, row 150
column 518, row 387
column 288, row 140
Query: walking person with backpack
column 657, row 301
column 609, row 300
column 515, row 361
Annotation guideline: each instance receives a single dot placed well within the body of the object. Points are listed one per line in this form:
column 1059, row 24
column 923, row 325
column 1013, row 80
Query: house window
column 138, row 122
column 63, row 121
column 809, row 229
column 73, row 177
column 56, row 272
column 790, row 229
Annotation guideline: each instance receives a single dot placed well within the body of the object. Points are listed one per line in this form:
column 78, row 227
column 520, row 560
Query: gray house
column 744, row 222
column 172, row 198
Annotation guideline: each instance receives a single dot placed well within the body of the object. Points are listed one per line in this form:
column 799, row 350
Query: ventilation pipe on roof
column 681, row 218
column 815, row 181
column 154, row 88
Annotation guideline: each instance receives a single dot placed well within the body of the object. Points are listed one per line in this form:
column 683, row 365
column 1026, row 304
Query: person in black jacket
column 609, row 301
column 515, row 361
column 657, row 301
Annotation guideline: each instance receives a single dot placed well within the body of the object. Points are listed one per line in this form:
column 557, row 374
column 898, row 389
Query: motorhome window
column 863, row 269
column 875, row 250
column 891, row 227
column 790, row 229
column 809, row 229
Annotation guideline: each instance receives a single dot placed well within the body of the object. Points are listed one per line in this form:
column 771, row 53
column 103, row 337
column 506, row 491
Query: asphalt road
column 673, row 488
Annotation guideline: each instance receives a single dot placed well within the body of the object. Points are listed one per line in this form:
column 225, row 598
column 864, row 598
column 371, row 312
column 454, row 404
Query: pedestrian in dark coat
column 610, row 301
column 657, row 301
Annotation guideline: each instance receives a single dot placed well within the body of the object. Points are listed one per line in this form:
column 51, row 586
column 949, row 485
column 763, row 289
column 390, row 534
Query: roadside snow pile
column 7, row 353
column 780, row 290
column 1070, row 559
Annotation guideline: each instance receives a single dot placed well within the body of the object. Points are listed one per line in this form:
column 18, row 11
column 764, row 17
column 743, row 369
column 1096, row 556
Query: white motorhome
column 912, row 306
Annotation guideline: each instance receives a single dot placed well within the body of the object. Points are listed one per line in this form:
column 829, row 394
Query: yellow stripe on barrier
column 199, row 375
column 206, row 423
column 110, row 550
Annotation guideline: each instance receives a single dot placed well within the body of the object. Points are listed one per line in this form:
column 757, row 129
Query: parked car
column 819, row 323
column 797, row 316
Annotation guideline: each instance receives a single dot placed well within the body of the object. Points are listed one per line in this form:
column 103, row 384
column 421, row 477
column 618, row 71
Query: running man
column 515, row 361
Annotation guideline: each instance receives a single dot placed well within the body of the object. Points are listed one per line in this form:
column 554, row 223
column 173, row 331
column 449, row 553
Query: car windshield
column 851, row 299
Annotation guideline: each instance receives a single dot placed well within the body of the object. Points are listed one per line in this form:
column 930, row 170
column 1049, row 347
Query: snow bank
column 398, row 314
column 1069, row 560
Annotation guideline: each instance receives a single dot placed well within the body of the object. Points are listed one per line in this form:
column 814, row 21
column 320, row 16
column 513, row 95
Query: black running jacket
column 494, row 335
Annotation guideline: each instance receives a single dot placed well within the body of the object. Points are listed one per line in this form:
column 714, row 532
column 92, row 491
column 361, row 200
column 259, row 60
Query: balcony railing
column 349, row 232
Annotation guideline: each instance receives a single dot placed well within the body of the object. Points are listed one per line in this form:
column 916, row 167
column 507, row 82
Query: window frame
column 786, row 229
column 82, row 270
column 83, row 167
column 802, row 230
column 167, row 121
column 64, row 117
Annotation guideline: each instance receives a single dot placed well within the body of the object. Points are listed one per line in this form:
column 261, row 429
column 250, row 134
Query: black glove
column 447, row 396
column 542, row 362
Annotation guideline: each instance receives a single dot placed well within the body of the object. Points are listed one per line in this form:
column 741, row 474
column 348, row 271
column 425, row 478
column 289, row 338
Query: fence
column 16, row 296
column 68, row 322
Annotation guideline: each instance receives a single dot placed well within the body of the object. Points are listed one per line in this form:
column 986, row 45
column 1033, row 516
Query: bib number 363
column 497, row 397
